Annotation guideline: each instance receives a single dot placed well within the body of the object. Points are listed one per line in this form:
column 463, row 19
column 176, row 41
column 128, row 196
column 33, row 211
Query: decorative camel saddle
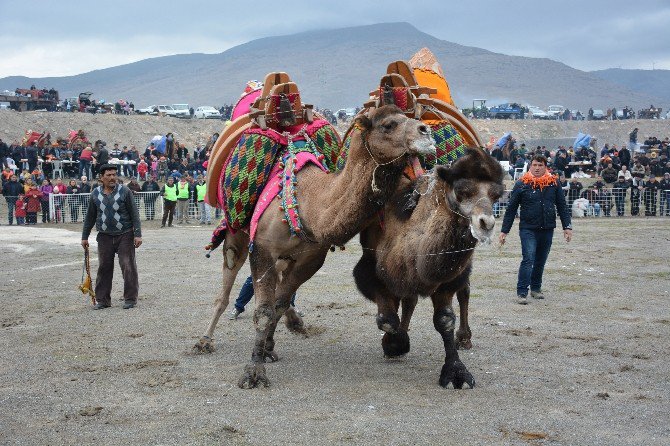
column 272, row 136
column 421, row 91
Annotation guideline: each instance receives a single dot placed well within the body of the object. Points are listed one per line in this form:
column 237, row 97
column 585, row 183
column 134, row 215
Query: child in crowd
column 142, row 169
column 20, row 210
column 33, row 204
column 154, row 165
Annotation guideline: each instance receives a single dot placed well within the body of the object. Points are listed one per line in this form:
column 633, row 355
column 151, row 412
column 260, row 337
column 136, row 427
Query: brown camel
column 430, row 231
column 333, row 208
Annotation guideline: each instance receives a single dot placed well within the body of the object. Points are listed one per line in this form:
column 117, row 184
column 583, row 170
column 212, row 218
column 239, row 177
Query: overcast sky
column 58, row 38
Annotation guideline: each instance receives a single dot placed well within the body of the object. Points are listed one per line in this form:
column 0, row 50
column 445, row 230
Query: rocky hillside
column 139, row 130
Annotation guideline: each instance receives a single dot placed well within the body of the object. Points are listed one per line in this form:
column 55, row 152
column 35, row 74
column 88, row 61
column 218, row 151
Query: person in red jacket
column 20, row 210
column 33, row 204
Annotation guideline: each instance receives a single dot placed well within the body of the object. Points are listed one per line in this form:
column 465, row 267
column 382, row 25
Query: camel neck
column 334, row 207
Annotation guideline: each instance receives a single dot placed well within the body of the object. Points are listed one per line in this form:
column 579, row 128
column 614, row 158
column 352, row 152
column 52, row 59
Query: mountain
column 650, row 82
column 338, row 68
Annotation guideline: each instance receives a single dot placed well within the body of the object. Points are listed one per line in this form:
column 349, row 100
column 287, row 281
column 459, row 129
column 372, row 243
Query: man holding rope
column 113, row 212
column 539, row 195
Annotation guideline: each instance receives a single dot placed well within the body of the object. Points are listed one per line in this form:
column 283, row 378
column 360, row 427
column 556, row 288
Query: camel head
column 390, row 134
column 474, row 183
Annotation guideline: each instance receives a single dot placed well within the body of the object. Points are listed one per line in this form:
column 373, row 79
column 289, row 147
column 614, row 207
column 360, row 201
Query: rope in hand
column 86, row 286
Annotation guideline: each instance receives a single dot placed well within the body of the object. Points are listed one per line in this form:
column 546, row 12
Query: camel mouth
column 483, row 238
column 423, row 147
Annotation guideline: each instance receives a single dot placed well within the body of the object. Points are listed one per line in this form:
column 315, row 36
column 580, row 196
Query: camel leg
column 463, row 334
column 408, row 304
column 444, row 320
column 235, row 249
column 265, row 283
column 395, row 341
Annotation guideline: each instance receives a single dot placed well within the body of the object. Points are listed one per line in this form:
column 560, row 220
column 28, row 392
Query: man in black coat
column 539, row 196
column 11, row 191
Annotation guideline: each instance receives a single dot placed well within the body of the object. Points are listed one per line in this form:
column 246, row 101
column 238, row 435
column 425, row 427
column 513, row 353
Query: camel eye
column 390, row 125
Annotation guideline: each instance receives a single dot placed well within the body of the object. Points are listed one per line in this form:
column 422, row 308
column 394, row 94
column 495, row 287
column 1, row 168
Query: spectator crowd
column 53, row 179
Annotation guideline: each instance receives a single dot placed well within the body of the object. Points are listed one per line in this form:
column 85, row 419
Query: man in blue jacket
column 539, row 195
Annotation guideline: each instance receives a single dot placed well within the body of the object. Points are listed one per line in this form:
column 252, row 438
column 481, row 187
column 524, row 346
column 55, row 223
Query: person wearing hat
column 113, row 212
column 664, row 186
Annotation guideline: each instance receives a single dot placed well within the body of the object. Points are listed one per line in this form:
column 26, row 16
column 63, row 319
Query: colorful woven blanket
column 245, row 174
column 248, row 168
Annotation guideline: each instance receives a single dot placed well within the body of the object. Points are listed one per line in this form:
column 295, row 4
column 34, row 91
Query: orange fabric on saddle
column 428, row 78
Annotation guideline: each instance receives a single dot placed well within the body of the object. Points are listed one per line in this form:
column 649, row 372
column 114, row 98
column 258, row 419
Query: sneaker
column 234, row 314
column 100, row 306
column 536, row 294
column 521, row 299
column 129, row 305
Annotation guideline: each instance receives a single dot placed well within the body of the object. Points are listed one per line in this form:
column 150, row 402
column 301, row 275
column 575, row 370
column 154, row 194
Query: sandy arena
column 586, row 366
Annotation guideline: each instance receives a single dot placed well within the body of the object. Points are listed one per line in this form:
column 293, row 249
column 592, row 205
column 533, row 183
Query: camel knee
column 263, row 317
column 388, row 322
column 444, row 320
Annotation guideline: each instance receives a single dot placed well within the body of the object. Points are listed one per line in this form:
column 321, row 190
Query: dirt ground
column 586, row 366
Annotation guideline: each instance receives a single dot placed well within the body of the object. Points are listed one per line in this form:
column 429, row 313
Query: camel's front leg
column 444, row 320
column 463, row 334
column 265, row 281
column 235, row 251
column 395, row 342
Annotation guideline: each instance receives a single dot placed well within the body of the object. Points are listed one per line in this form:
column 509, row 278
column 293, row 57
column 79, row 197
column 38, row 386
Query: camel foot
column 463, row 340
column 294, row 322
column 204, row 345
column 270, row 356
column 254, row 374
column 395, row 344
column 456, row 374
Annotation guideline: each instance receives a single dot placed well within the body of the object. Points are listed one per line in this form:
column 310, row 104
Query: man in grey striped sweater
column 113, row 212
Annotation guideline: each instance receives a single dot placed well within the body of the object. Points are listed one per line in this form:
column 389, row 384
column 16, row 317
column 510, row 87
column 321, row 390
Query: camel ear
column 445, row 174
column 363, row 122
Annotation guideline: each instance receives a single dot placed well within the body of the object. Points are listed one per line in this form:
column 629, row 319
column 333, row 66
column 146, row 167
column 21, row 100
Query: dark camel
column 430, row 232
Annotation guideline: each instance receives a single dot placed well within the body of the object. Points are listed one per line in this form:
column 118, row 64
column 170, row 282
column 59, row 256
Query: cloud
column 90, row 35
column 75, row 56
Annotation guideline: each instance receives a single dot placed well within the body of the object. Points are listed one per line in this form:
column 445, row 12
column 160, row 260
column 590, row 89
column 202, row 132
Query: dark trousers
column 108, row 247
column 535, row 247
column 247, row 292
column 31, row 218
column 11, row 204
column 46, row 217
column 168, row 211
column 620, row 202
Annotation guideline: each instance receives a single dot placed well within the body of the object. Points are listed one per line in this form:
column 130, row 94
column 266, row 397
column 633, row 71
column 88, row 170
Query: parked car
column 555, row 111
column 507, row 111
column 598, row 115
column 146, row 110
column 537, row 113
column 181, row 111
column 206, row 112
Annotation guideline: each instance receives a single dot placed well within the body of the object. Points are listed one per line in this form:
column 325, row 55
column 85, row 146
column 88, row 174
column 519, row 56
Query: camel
column 431, row 228
column 333, row 209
